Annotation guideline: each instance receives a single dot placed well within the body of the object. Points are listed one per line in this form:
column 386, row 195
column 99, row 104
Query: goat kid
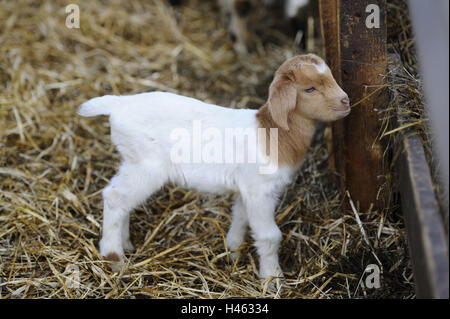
column 300, row 13
column 303, row 93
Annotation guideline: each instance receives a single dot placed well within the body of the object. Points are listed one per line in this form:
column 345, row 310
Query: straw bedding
column 53, row 164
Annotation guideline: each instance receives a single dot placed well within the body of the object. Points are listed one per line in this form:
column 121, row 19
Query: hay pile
column 53, row 164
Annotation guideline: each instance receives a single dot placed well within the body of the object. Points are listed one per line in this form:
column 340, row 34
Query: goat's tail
column 103, row 105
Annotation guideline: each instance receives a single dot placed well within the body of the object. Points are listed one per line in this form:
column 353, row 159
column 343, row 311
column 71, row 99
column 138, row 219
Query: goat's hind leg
column 130, row 187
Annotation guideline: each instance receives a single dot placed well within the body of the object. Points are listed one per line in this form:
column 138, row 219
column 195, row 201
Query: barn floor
column 54, row 164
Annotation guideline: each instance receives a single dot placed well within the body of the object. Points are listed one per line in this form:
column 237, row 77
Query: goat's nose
column 345, row 101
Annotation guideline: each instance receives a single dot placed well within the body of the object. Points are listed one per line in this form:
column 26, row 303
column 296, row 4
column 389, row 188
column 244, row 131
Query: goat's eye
column 310, row 90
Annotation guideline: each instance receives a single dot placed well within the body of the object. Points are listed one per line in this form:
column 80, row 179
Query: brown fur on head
column 302, row 92
column 304, row 85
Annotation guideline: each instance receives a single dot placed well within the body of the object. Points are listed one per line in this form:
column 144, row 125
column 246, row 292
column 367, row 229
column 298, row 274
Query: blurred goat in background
column 299, row 13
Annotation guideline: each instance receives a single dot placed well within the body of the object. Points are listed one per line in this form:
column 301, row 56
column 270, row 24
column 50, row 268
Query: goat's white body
column 141, row 127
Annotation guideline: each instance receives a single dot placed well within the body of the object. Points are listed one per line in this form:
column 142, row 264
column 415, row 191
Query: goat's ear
column 282, row 99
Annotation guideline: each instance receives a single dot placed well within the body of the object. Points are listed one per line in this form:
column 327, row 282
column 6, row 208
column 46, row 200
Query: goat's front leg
column 267, row 235
column 238, row 228
column 126, row 241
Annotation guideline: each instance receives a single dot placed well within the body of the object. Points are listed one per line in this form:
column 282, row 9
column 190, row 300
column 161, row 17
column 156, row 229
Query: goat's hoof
column 240, row 49
column 234, row 255
column 273, row 284
column 128, row 246
column 272, row 278
column 115, row 261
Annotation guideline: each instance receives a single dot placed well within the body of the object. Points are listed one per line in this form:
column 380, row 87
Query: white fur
column 321, row 68
column 141, row 125
column 292, row 6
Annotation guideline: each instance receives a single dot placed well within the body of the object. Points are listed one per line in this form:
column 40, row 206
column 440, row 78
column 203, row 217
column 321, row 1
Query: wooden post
column 330, row 38
column 330, row 30
column 356, row 52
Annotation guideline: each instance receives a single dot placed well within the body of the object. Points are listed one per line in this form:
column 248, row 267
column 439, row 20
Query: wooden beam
column 426, row 236
column 433, row 52
column 425, row 227
column 358, row 58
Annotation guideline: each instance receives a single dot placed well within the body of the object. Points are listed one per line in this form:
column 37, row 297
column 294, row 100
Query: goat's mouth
column 344, row 111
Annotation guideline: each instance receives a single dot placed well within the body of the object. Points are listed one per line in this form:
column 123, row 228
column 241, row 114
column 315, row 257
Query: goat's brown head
column 304, row 85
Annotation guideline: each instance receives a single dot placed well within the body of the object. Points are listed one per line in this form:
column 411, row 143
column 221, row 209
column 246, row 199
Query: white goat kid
column 142, row 128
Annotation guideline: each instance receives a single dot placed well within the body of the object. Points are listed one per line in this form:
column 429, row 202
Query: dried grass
column 53, row 165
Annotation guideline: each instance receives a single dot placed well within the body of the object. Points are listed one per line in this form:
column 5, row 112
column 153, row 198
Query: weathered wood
column 358, row 57
column 428, row 242
column 426, row 237
column 358, row 60
column 433, row 55
column 330, row 30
